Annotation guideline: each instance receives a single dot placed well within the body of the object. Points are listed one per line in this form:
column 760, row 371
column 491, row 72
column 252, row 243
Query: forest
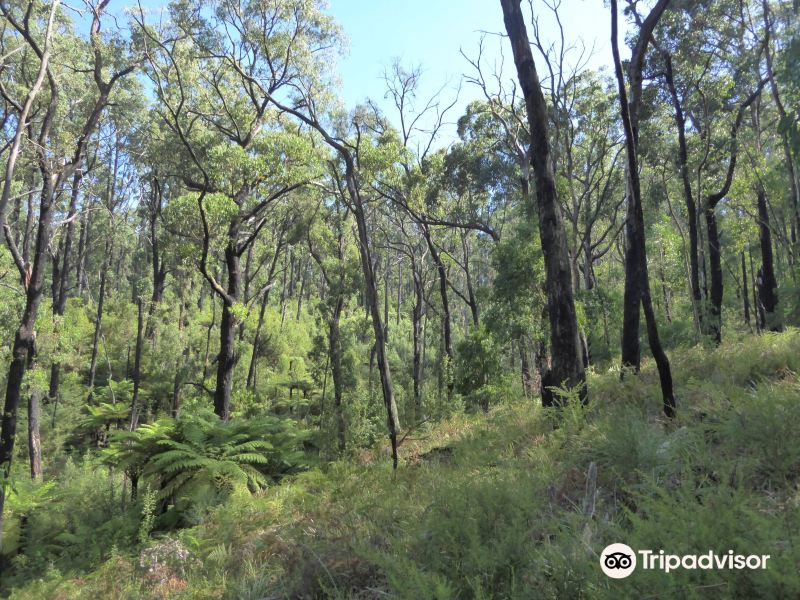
column 257, row 342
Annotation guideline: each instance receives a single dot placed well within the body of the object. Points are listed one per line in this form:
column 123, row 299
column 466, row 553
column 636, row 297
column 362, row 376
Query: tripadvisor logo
column 619, row 560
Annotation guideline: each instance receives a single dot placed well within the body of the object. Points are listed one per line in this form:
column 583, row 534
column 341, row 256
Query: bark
column 34, row 440
column 637, row 283
column 691, row 206
column 393, row 420
column 158, row 264
column 767, row 285
column 567, row 365
column 227, row 336
column 473, row 301
column 24, row 338
column 715, row 267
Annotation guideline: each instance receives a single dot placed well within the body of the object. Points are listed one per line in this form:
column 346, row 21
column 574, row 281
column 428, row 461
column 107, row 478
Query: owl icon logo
column 618, row 561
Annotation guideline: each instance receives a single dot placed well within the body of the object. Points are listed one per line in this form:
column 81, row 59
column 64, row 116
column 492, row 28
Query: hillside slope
column 518, row 503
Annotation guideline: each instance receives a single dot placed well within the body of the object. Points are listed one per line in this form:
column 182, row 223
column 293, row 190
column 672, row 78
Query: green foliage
column 198, row 456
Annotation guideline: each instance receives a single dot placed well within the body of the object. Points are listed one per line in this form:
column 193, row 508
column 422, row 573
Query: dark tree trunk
column 24, row 339
column 567, row 365
column 525, row 372
column 473, row 301
column 637, row 283
column 157, row 263
column 691, row 207
column 768, row 285
column 227, row 337
column 715, row 264
column 371, row 289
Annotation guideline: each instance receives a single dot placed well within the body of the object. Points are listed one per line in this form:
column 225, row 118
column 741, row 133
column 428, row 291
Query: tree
column 567, row 361
column 57, row 163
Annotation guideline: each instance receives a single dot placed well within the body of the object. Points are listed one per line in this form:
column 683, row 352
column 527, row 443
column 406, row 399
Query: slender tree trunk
column 691, row 206
column 715, row 264
column 83, row 240
column 99, row 318
column 473, row 301
column 335, row 353
column 371, row 289
column 447, row 331
column 567, row 364
column 137, row 366
column 417, row 334
column 34, row 440
column 61, row 283
column 637, row 283
column 251, row 372
column 768, row 289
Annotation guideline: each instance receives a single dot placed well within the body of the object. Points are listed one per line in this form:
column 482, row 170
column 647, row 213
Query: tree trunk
column 61, row 283
column 99, row 318
column 227, row 337
column 567, row 365
column 745, row 292
column 335, row 353
column 417, row 334
column 715, row 264
column 371, row 289
column 691, row 207
column 637, row 283
column 447, row 331
column 24, row 339
column 34, row 440
column 137, row 366
column 768, row 288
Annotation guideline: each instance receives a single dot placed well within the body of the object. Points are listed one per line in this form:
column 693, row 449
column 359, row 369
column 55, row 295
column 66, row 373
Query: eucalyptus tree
column 637, row 282
column 567, row 361
column 57, row 139
column 215, row 74
column 706, row 94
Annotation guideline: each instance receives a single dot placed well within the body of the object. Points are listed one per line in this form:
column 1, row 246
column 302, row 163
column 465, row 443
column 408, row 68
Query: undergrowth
column 518, row 503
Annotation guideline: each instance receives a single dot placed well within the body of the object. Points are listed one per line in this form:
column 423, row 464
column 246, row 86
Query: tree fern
column 198, row 456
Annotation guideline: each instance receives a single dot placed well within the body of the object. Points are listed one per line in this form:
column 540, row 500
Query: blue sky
column 430, row 33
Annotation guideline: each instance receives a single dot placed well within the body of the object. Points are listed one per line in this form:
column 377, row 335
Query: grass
column 503, row 505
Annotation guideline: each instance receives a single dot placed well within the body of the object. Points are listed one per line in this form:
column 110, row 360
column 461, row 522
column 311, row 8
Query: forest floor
column 518, row 503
